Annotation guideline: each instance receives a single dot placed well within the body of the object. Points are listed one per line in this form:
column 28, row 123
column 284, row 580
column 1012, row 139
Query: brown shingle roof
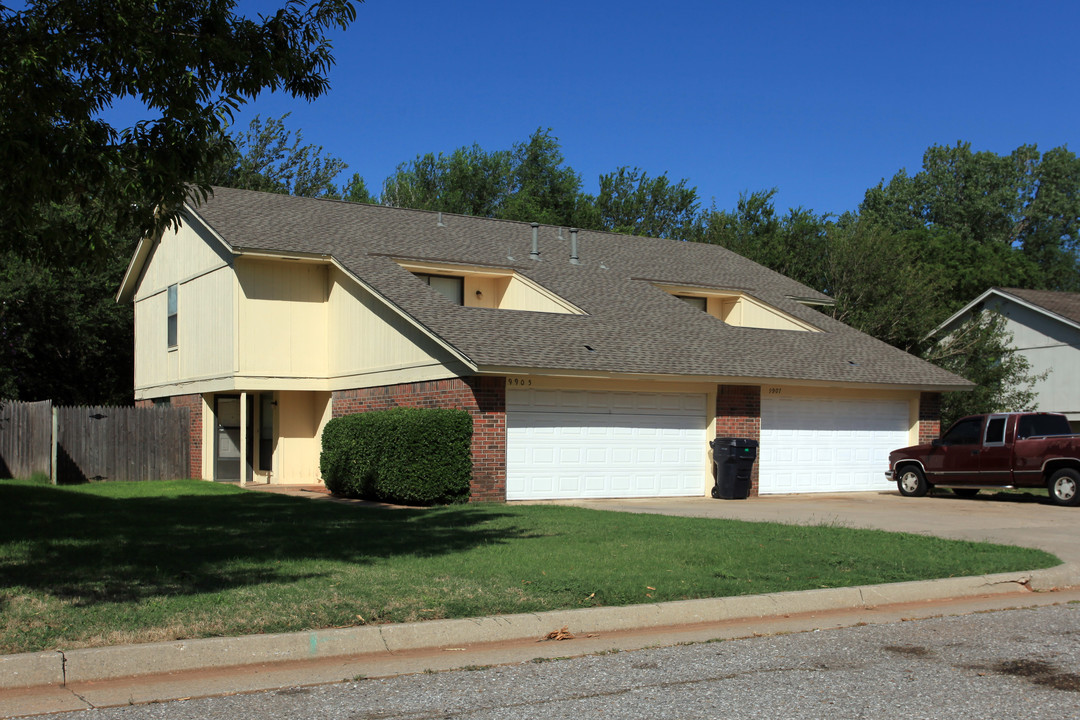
column 1064, row 304
column 631, row 325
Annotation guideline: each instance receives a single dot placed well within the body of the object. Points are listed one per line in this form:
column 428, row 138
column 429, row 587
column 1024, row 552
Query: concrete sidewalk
column 97, row 677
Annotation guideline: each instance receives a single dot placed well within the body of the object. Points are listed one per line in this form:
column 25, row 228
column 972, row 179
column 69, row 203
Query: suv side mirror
column 936, row 442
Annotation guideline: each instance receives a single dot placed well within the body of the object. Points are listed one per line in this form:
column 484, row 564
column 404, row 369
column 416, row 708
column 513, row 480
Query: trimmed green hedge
column 409, row 456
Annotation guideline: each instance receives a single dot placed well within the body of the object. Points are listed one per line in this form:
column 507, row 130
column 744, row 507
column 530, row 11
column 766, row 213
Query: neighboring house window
column 700, row 303
column 453, row 288
column 266, row 431
column 172, row 316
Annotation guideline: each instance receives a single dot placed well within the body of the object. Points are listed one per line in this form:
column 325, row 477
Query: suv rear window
column 1040, row 425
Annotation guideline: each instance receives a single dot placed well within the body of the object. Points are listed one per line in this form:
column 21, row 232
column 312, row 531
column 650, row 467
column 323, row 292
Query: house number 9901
column 774, row 391
column 518, row 382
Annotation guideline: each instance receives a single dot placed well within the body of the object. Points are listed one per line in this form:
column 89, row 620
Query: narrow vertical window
column 266, row 431
column 172, row 316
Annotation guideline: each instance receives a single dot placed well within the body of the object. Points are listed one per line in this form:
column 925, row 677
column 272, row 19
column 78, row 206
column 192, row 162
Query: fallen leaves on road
column 562, row 634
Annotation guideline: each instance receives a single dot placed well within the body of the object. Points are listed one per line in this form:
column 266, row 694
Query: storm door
column 227, row 445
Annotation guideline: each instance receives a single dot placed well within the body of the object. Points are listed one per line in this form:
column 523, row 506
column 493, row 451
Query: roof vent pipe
column 534, row 254
column 573, row 247
column 441, row 223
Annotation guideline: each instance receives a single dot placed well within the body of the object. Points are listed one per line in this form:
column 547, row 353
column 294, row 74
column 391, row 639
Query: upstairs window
column 700, row 303
column 171, row 317
column 452, row 288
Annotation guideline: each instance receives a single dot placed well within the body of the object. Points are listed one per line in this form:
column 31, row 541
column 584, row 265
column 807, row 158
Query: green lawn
column 132, row 562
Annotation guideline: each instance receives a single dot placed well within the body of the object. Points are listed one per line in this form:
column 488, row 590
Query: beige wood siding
column 369, row 338
column 151, row 351
column 300, row 420
column 180, row 255
column 282, row 318
column 759, row 316
column 198, row 265
column 520, row 295
column 205, row 344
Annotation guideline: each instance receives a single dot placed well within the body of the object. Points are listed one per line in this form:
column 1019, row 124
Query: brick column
column 929, row 417
column 194, row 404
column 738, row 414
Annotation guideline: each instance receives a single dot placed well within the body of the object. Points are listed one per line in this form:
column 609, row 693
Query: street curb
column 107, row 663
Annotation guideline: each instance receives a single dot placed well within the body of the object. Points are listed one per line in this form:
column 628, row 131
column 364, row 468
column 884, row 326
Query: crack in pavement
column 464, row 712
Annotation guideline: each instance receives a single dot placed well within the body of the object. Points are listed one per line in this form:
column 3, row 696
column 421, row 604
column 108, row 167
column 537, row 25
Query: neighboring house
column 1045, row 327
column 593, row 364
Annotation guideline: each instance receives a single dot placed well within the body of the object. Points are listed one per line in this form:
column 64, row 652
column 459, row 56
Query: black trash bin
column 734, row 458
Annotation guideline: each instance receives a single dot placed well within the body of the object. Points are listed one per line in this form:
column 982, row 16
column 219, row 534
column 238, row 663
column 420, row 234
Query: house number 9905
column 518, row 382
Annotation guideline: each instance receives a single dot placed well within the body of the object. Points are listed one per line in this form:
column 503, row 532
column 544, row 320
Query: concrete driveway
column 1015, row 520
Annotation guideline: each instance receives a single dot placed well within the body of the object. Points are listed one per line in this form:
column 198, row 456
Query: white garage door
column 822, row 445
column 576, row 443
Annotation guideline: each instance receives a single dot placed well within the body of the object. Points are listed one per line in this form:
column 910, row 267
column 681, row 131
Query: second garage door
column 828, row 445
column 576, row 443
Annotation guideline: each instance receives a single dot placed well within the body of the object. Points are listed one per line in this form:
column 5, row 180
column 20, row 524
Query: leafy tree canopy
column 190, row 62
column 271, row 158
column 529, row 182
column 1025, row 200
column 631, row 202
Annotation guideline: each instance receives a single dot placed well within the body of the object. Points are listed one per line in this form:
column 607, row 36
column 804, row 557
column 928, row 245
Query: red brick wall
column 194, row 404
column 738, row 414
column 483, row 397
column 144, row 403
column 929, row 417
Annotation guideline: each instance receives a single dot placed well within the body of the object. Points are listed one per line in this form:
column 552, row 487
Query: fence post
column 55, row 442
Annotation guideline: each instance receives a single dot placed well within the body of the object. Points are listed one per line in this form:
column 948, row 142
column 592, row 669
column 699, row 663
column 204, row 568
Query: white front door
column 580, row 443
column 828, row 445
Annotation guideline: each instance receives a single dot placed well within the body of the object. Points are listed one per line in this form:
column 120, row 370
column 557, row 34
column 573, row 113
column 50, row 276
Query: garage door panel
column 814, row 445
column 605, row 444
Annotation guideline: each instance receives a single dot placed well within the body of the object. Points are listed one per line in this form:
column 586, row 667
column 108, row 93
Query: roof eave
column 1005, row 295
column 508, row 370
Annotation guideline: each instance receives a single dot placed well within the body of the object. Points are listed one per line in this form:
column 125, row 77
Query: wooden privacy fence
column 25, row 438
column 94, row 442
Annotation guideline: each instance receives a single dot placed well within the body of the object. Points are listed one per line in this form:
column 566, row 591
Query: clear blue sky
column 818, row 99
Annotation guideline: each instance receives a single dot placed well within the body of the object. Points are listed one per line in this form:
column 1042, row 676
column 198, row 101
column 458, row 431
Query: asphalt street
column 1013, row 663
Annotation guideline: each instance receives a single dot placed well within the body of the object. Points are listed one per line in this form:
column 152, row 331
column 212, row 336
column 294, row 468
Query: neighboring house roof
column 1061, row 306
column 630, row 325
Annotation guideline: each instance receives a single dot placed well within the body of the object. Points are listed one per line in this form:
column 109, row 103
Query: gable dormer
column 498, row 288
column 738, row 308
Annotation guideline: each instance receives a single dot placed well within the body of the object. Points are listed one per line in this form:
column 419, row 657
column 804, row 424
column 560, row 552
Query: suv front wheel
column 911, row 482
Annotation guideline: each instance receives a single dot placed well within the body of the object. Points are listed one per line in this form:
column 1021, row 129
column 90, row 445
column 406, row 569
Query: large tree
column 529, row 181
column 469, row 181
column 270, row 157
column 191, row 63
column 1016, row 216
column 631, row 202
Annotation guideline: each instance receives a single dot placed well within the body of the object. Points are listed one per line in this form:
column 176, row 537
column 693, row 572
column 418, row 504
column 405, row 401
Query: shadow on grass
column 90, row 549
